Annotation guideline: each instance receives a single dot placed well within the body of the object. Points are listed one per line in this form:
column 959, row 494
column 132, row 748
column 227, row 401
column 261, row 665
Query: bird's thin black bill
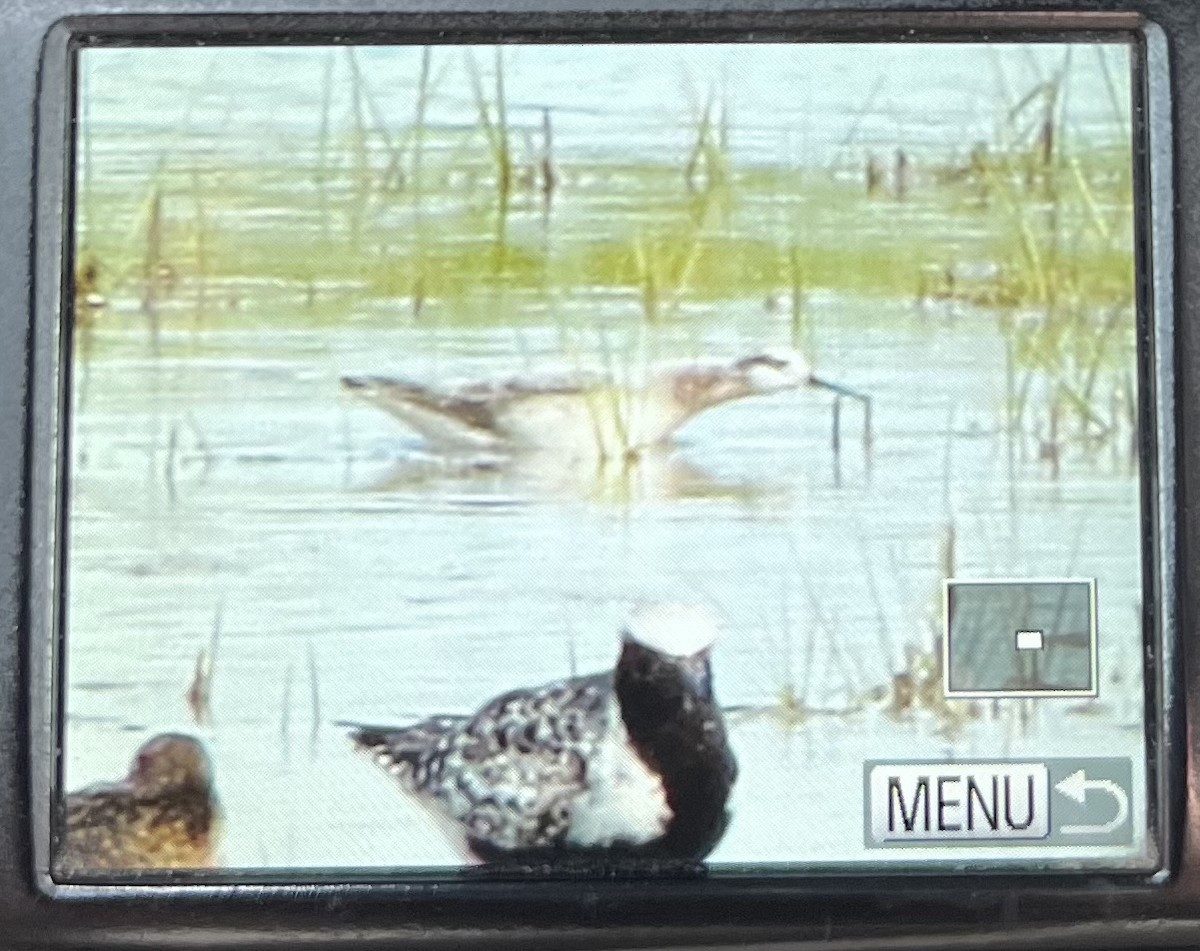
column 840, row 388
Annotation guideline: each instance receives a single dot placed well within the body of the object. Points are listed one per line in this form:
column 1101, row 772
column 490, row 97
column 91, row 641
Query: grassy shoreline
column 747, row 241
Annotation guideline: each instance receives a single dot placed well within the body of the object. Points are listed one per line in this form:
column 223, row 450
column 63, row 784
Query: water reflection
column 661, row 474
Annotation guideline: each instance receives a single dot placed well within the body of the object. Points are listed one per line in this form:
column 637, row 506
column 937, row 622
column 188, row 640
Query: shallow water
column 806, row 103
column 227, row 484
column 355, row 575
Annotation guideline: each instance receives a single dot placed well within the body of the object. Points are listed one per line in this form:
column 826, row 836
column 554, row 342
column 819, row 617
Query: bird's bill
column 696, row 673
column 840, row 388
column 354, row 383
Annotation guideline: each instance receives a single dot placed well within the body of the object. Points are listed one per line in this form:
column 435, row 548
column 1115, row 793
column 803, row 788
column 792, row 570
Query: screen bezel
column 50, row 367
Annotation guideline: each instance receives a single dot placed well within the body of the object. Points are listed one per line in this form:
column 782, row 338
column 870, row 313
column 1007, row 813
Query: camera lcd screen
column 569, row 456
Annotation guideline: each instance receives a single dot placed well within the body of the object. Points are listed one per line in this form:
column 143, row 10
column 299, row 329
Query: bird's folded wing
column 474, row 409
column 99, row 805
column 501, row 393
column 523, row 760
column 509, row 773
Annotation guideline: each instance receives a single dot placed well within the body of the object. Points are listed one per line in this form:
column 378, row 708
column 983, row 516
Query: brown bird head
column 169, row 762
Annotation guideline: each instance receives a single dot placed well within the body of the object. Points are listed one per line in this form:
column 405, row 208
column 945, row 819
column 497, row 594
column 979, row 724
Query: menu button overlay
column 1057, row 801
column 955, row 801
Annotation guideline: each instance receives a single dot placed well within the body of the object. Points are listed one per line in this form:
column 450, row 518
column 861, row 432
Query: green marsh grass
column 420, row 109
column 882, row 259
column 201, row 241
column 360, row 155
column 152, row 261
column 492, row 120
column 1067, row 223
column 410, row 210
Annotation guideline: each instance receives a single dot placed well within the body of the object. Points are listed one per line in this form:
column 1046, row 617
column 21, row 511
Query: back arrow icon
column 1076, row 787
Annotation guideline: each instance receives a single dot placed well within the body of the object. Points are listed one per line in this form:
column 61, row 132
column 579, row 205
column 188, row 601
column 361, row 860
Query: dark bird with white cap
column 631, row 763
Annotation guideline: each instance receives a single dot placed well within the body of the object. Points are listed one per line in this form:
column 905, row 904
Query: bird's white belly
column 442, row 430
column 603, row 424
column 625, row 802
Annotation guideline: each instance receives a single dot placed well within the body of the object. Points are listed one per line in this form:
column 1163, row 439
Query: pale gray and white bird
column 631, row 763
column 584, row 413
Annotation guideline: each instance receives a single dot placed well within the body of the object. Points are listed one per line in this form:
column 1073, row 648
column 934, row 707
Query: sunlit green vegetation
column 602, row 230
column 1030, row 232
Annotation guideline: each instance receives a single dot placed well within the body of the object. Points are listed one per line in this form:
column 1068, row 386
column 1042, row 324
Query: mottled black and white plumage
column 581, row 412
column 634, row 762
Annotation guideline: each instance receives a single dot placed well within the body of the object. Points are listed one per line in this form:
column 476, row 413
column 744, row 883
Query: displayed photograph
column 570, row 459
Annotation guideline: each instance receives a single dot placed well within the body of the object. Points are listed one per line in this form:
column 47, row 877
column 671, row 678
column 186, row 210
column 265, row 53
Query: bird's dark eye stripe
column 763, row 359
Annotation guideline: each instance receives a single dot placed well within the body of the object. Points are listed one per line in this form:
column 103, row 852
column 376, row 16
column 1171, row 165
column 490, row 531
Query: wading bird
column 628, row 764
column 584, row 413
column 162, row 815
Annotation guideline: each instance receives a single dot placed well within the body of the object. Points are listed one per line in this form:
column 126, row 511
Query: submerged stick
column 285, row 717
column 868, row 432
column 321, row 176
column 151, row 274
column 169, row 464
column 900, row 184
column 418, row 149
column 837, row 424
column 836, row 430
column 837, row 441
column 1054, row 440
column 314, row 691
column 199, row 694
column 787, row 686
column 201, row 248
column 213, row 643
column 357, row 207
column 798, row 324
column 549, row 179
column 883, row 631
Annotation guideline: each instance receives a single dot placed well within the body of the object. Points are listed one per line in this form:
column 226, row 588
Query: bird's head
column 774, row 370
column 168, row 762
column 779, row 369
column 675, row 635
